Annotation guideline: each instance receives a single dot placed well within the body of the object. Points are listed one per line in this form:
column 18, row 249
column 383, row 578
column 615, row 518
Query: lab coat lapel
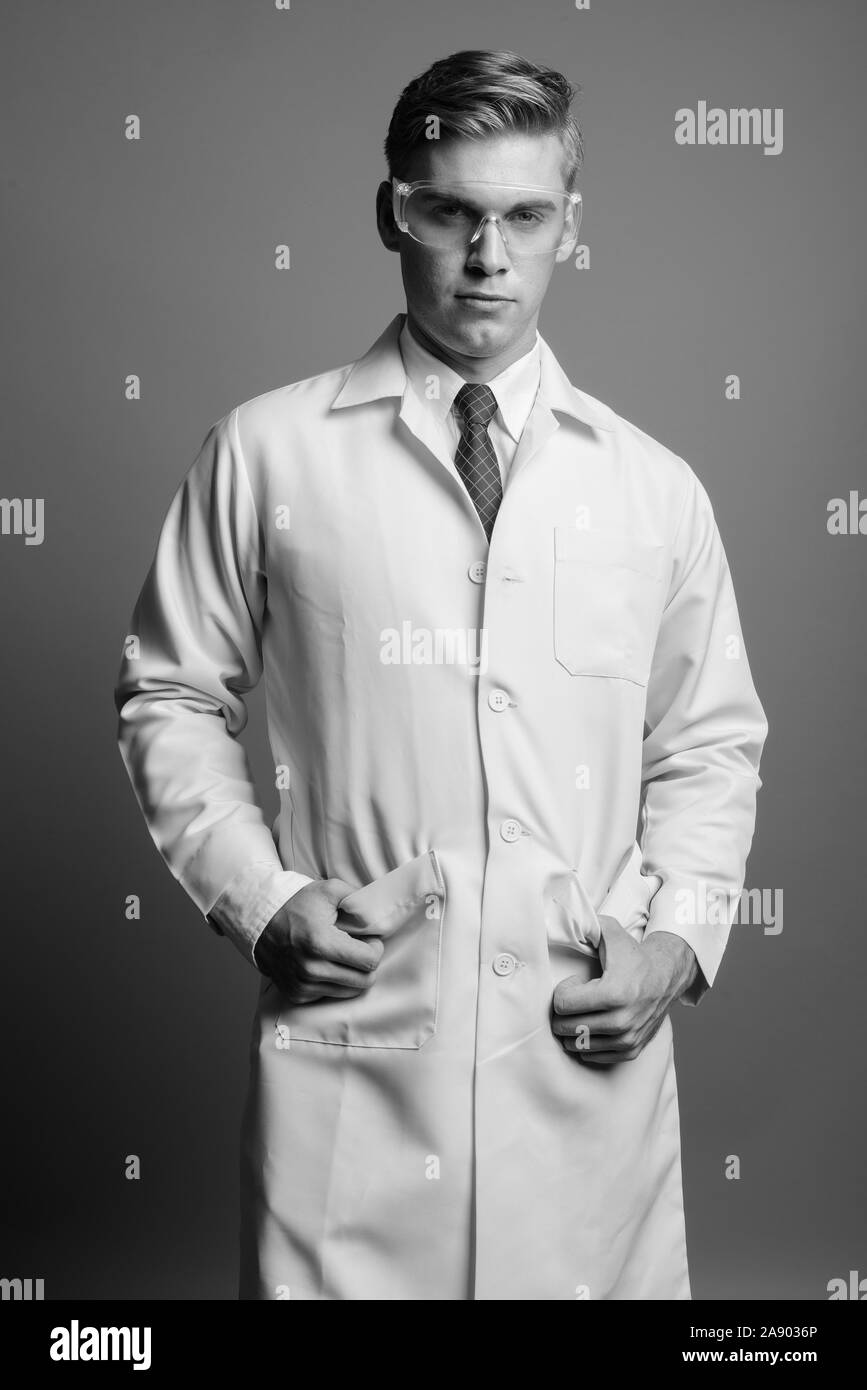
column 380, row 372
column 541, row 424
column 421, row 422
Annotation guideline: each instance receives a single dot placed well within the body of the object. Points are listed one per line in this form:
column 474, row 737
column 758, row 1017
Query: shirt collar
column 381, row 372
column 514, row 388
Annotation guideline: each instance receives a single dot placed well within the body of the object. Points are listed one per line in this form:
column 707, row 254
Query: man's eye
column 449, row 210
column 525, row 216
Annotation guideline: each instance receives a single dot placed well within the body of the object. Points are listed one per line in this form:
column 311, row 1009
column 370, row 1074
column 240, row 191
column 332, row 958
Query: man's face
column 440, row 284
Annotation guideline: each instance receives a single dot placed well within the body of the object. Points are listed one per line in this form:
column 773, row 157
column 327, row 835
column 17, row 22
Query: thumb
column 334, row 890
column 614, row 941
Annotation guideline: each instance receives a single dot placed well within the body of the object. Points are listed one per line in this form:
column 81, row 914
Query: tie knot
column 476, row 404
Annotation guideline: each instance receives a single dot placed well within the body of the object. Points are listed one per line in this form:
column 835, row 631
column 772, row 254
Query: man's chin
column 478, row 339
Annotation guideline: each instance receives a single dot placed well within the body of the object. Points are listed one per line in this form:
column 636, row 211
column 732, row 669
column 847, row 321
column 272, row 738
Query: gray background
column 156, row 258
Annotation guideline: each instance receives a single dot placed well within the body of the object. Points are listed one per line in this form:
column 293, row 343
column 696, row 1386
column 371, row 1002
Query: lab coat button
column 498, row 700
column 504, row 964
column 510, row 830
column 476, row 571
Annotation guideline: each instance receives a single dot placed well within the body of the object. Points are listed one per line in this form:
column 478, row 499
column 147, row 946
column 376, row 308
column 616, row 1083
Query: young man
column 497, row 630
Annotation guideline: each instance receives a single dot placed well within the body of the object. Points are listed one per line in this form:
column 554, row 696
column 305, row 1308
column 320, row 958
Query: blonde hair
column 478, row 92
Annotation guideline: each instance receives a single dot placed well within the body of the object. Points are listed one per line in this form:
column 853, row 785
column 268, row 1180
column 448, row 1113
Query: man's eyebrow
column 540, row 201
column 533, row 199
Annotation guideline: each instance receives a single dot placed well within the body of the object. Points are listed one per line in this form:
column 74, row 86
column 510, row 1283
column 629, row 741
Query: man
column 497, row 631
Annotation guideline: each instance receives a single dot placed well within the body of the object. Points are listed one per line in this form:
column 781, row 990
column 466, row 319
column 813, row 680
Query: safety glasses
column 450, row 215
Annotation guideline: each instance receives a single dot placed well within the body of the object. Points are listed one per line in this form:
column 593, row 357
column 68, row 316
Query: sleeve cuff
column 249, row 901
column 642, row 904
column 707, row 938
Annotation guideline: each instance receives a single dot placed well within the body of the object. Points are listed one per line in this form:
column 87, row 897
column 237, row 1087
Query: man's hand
column 308, row 955
column 612, row 1018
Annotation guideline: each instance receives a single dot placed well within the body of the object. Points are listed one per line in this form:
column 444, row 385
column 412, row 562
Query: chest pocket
column 406, row 908
column 607, row 602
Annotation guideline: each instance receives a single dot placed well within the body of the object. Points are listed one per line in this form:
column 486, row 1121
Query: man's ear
column 568, row 250
column 389, row 233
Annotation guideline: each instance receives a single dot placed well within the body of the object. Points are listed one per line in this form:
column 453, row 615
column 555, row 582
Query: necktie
column 475, row 459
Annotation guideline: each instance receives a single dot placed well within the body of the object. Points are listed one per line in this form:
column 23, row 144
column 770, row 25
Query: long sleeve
column 704, row 734
column 193, row 651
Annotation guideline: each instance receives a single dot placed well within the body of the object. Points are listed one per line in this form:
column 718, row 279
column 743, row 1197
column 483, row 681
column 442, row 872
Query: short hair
column 478, row 92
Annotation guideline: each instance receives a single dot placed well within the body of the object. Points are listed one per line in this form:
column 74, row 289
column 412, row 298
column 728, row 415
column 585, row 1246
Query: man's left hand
column 612, row 1018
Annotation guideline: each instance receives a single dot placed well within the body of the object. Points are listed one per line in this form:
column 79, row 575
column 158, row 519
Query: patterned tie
column 475, row 459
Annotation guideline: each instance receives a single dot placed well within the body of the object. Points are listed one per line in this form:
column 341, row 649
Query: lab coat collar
column 380, row 372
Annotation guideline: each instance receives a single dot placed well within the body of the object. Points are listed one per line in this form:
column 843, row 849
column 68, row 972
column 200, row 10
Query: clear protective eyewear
column 450, row 214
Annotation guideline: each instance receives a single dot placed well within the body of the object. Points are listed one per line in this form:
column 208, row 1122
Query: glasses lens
column 532, row 221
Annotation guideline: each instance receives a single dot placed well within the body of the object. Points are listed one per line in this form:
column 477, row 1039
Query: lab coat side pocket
column 406, row 909
column 607, row 603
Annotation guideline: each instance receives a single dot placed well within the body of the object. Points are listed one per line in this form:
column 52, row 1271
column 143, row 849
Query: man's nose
column 488, row 251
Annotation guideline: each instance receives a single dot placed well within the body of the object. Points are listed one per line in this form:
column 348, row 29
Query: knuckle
column 314, row 944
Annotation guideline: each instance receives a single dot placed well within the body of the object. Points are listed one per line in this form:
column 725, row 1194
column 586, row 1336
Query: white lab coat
column 472, row 737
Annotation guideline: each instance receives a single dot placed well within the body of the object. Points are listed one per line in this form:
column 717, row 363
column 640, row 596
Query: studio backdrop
column 188, row 222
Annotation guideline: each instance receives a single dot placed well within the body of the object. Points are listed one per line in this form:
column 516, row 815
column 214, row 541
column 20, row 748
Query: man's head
column 474, row 123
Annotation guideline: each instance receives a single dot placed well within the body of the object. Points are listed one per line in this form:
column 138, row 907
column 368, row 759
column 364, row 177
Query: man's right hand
column 308, row 955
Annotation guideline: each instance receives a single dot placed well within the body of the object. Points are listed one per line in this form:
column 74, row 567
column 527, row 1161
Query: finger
column 317, row 971
column 627, row 1045
column 336, row 889
column 607, row 1059
column 358, row 953
column 615, row 1021
column 586, row 1042
column 576, row 996
column 301, row 993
